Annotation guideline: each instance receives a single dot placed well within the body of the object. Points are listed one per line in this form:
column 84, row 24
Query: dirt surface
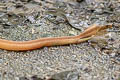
column 96, row 59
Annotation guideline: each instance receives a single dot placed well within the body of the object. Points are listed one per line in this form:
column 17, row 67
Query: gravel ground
column 97, row 59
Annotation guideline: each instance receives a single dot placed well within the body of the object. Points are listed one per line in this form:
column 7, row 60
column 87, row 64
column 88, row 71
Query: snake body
column 42, row 42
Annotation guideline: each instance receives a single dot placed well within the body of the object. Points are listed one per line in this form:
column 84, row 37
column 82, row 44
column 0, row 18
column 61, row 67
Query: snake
column 51, row 41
